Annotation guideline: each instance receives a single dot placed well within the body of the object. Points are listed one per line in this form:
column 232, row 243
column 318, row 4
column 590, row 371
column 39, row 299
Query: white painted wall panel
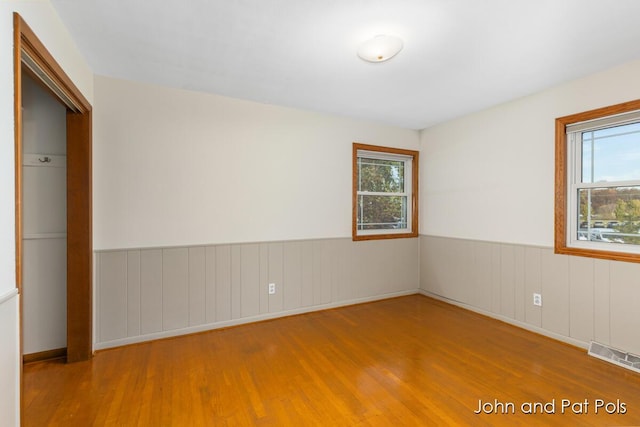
column 519, row 291
column 236, row 281
column 150, row 291
column 480, row 295
column 317, row 271
column 175, row 288
column 496, row 275
column 133, row 293
column 171, row 287
column 581, row 294
column 462, row 276
column 44, row 295
column 223, row 282
column 583, row 299
column 10, row 358
column 395, row 274
column 429, row 280
column 555, row 292
column 276, row 275
column 306, row 286
column 292, row 290
column 532, row 284
column 327, row 271
column 113, row 298
column 345, row 284
column 602, row 301
column 250, row 281
column 625, row 318
column 264, row 277
column 507, row 281
column 197, row 286
column 211, row 289
column 366, row 276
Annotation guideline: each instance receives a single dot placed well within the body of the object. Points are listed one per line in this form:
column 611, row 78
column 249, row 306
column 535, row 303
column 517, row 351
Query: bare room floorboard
column 407, row 361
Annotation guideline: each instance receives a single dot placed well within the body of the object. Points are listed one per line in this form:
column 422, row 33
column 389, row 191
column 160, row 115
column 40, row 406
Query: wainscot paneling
column 10, row 356
column 145, row 294
column 583, row 299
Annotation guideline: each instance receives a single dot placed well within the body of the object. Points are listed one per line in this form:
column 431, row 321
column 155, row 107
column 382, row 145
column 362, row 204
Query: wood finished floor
column 409, row 361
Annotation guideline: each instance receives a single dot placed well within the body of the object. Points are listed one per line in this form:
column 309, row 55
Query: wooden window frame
column 561, row 182
column 413, row 204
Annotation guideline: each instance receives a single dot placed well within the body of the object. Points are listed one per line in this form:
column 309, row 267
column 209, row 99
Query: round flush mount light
column 380, row 48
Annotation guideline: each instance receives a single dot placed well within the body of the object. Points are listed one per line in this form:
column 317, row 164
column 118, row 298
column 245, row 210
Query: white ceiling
column 459, row 56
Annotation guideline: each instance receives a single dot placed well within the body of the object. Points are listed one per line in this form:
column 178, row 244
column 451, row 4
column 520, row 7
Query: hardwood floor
column 409, row 361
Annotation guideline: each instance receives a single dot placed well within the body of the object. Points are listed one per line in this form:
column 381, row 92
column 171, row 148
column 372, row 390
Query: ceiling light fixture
column 380, row 48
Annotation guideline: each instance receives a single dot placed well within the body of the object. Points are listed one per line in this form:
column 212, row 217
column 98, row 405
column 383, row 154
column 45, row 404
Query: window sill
column 596, row 253
column 385, row 236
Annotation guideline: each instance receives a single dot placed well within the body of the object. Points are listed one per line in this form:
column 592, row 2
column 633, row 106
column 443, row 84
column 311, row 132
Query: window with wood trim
column 598, row 183
column 385, row 192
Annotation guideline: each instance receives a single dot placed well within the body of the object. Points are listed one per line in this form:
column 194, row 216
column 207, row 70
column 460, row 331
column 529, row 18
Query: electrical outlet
column 272, row 288
column 537, row 300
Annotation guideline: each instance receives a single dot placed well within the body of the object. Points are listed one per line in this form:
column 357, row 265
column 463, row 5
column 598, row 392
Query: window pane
column 382, row 212
column 611, row 154
column 610, row 215
column 381, row 175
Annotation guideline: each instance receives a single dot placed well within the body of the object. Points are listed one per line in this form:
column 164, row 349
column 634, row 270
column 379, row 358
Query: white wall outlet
column 537, row 300
column 272, row 288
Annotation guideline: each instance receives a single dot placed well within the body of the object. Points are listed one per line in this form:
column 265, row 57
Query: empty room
column 296, row 212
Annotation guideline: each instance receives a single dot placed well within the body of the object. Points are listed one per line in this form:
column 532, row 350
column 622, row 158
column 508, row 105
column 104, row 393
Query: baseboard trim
column 41, row 356
column 235, row 322
column 558, row 337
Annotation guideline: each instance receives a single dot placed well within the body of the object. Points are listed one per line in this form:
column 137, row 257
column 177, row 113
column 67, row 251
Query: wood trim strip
column 561, row 191
column 561, row 185
column 414, row 191
column 17, row 144
column 39, row 53
column 79, row 237
column 17, row 111
column 58, row 353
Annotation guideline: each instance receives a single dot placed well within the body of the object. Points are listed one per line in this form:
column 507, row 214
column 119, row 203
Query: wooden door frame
column 27, row 47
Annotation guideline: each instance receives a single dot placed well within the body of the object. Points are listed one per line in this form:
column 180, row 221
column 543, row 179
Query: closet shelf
column 34, row 236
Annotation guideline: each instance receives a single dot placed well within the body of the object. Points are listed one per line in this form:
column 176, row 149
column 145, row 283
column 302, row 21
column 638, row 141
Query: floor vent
column 621, row 358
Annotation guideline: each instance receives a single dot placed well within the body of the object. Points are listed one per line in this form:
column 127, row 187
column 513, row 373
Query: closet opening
column 32, row 60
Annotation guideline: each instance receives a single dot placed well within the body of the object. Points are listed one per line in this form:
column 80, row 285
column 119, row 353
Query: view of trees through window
column 609, row 211
column 382, row 201
column 610, row 215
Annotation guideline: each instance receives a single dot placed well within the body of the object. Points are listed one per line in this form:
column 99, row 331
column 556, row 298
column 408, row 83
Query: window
column 385, row 188
column 598, row 183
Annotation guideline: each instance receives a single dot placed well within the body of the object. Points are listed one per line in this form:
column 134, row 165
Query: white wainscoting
column 583, row 299
column 9, row 359
column 144, row 294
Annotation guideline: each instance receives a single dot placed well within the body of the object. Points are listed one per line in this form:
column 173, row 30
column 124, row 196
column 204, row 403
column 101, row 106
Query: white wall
column 264, row 191
column 44, row 221
column 43, row 20
column 9, row 359
column 488, row 205
column 490, row 175
column 174, row 167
